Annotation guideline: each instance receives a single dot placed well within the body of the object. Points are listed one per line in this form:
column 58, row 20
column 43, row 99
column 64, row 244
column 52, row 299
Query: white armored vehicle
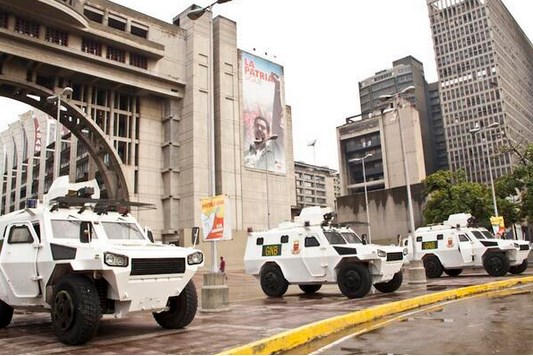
column 311, row 251
column 457, row 243
column 82, row 257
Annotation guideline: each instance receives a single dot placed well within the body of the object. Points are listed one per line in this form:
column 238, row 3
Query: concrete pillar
column 215, row 293
column 417, row 272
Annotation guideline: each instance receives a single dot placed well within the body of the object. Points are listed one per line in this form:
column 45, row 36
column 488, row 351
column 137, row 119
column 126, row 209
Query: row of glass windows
column 456, row 14
column 57, row 36
column 310, row 177
column 458, row 69
column 452, row 34
column 458, row 43
column 116, row 21
column 311, row 200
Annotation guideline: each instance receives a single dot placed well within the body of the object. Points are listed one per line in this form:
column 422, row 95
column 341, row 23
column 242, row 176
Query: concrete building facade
column 315, row 185
column 379, row 136
column 485, row 71
column 143, row 86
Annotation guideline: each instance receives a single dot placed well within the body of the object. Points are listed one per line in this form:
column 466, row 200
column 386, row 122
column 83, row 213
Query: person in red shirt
column 222, row 268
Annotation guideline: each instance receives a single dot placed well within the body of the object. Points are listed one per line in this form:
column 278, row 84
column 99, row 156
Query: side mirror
column 85, row 232
column 149, row 233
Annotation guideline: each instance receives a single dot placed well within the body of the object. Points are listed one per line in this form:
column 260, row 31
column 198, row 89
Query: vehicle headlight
column 195, row 258
column 114, row 260
column 382, row 253
column 516, row 245
column 405, row 251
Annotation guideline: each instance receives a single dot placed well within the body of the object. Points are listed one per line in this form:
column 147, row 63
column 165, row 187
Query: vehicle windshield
column 482, row 234
column 487, row 234
column 122, row 231
column 334, row 238
column 69, row 229
column 352, row 237
column 478, row 235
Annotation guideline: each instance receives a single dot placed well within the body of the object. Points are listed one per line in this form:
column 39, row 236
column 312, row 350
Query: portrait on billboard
column 263, row 114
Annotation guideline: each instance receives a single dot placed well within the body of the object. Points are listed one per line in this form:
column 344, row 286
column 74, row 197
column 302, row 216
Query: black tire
column 519, row 268
column 273, row 283
column 453, row 272
column 310, row 288
column 354, row 280
column 181, row 309
column 6, row 314
column 76, row 311
column 433, row 267
column 392, row 285
column 496, row 264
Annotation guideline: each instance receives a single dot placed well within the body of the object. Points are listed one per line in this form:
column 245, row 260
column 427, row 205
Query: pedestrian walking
column 222, row 267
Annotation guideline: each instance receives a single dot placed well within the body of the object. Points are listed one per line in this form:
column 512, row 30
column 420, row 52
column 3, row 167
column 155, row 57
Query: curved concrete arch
column 80, row 125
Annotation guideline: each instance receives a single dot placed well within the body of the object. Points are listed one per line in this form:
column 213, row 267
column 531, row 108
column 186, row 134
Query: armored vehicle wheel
column 181, row 309
column 496, row 264
column 354, row 280
column 75, row 310
column 433, row 267
column 392, row 285
column 6, row 314
column 519, row 268
column 453, row 272
column 273, row 283
column 310, row 288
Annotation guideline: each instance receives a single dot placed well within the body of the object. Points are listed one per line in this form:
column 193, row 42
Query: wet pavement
column 251, row 317
column 482, row 325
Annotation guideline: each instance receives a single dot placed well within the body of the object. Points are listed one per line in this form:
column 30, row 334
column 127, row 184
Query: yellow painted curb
column 299, row 336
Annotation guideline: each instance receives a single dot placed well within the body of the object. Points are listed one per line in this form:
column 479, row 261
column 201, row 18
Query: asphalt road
column 251, row 317
column 484, row 325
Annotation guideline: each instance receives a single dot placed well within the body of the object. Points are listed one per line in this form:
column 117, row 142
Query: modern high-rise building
column 485, row 76
column 437, row 129
column 405, row 72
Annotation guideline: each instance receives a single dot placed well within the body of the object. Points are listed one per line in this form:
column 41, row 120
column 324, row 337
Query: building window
column 27, row 27
column 116, row 54
column 94, row 14
column 57, row 36
column 138, row 61
column 117, row 22
column 91, row 46
column 4, row 17
column 139, row 30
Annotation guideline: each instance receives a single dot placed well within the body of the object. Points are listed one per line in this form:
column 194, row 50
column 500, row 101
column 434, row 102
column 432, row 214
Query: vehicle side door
column 466, row 248
column 313, row 254
column 18, row 262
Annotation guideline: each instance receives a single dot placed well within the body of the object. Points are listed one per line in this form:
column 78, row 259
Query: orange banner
column 215, row 218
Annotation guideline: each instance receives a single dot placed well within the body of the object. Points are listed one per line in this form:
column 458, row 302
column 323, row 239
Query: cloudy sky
column 326, row 48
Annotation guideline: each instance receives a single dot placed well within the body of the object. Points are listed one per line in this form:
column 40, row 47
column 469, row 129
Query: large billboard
column 263, row 113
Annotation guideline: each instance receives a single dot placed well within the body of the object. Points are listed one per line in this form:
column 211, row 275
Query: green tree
column 518, row 186
column 450, row 193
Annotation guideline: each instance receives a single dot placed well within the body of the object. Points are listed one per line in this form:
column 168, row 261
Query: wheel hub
column 271, row 280
column 353, row 280
column 64, row 311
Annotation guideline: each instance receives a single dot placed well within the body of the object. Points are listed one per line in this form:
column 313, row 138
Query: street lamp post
column 417, row 273
column 57, row 148
column 265, row 142
column 215, row 293
column 362, row 159
column 483, row 129
column 195, row 15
